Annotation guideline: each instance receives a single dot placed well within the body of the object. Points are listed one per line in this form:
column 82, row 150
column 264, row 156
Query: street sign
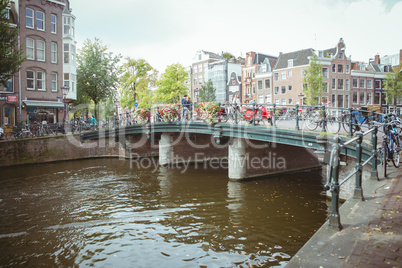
column 136, row 104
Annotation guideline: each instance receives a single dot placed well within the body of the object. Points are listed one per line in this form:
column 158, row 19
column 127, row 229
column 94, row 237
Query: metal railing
column 333, row 183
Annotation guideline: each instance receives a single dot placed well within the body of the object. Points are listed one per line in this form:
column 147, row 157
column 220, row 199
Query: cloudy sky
column 164, row 32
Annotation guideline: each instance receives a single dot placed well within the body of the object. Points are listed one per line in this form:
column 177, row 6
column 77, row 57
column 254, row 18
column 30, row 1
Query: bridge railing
column 333, row 184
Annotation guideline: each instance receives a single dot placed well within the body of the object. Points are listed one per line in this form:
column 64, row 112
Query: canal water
column 108, row 213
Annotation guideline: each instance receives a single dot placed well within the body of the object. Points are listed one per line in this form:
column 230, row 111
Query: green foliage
column 138, row 75
column 227, row 55
column 11, row 57
column 313, row 81
column 97, row 72
column 171, row 85
column 110, row 107
column 207, row 92
column 393, row 85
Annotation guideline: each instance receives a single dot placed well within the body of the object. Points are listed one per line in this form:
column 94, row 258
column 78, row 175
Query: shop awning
column 47, row 104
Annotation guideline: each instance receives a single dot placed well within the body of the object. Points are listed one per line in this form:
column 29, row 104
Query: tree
column 171, row 85
column 313, row 81
column 207, row 92
column 11, row 56
column 97, row 71
column 137, row 76
column 227, row 55
column 393, row 85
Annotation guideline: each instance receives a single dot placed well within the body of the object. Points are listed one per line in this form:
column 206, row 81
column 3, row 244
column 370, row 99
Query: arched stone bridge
column 247, row 151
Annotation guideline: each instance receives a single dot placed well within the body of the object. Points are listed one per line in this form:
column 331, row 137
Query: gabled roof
column 381, row 68
column 299, row 58
column 212, row 55
column 260, row 58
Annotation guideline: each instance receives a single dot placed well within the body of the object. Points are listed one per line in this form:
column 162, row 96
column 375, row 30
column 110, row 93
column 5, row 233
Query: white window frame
column 41, row 82
column 347, row 84
column 40, row 21
column 31, row 79
column 30, row 56
column 340, row 84
column 347, row 68
column 54, row 81
column 362, row 83
column 32, row 19
column 283, row 76
column 53, row 23
column 325, row 73
column 290, row 73
column 369, row 83
column 53, row 57
column 38, row 50
column 290, row 63
column 362, row 100
column 355, row 93
column 357, row 83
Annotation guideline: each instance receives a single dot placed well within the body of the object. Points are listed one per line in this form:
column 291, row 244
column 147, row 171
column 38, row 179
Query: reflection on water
column 102, row 213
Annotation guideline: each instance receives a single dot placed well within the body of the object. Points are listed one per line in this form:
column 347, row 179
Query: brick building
column 37, row 87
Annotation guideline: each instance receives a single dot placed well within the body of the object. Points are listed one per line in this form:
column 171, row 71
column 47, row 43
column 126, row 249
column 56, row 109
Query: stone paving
column 381, row 243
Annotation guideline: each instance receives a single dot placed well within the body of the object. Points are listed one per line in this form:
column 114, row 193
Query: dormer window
column 290, row 63
column 320, row 53
column 340, row 55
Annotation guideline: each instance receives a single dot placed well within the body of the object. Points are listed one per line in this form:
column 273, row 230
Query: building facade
column 37, row 86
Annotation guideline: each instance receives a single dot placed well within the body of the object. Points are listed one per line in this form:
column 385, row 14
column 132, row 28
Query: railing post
column 297, row 117
column 253, row 114
column 334, row 217
column 324, row 119
column 358, row 192
column 274, row 115
column 374, row 171
column 235, row 111
column 191, row 111
column 350, row 122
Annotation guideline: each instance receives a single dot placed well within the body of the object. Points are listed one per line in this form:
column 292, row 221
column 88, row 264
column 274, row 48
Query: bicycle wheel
column 311, row 123
column 10, row 136
column 333, row 125
column 384, row 157
column 396, row 151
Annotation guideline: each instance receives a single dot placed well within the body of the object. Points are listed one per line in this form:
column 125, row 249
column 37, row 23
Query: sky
column 164, row 32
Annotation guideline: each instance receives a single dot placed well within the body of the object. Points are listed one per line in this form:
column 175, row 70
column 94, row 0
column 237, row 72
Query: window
column 40, row 81
column 40, row 50
column 340, row 101
column 370, row 84
column 347, row 67
column 325, row 87
column 53, row 23
column 268, row 98
column 67, row 55
column 340, row 55
column 355, row 98
column 346, row 101
column 66, row 24
column 260, row 98
column 29, row 18
column 66, row 79
column 53, row 57
column 340, row 68
column 333, row 100
column 253, row 85
column 30, row 52
column 283, row 75
column 290, row 63
column 290, row 73
column 276, row 90
column 347, row 84
column 277, row 101
column 283, row 89
column 290, row 101
column 362, row 99
column 355, row 83
column 7, row 86
column 334, row 68
column 283, row 101
column 304, row 72
column 259, row 84
column 290, row 87
column 362, row 83
column 324, row 100
column 333, row 84
column 40, row 21
column 267, row 83
column 378, row 84
column 340, row 84
column 54, row 82
column 369, row 97
column 276, row 76
column 325, row 72
column 30, row 80
column 377, row 98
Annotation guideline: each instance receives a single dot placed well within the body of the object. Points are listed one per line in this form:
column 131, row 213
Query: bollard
column 297, row 117
column 358, row 191
column 324, row 120
column 374, row 171
column 334, row 217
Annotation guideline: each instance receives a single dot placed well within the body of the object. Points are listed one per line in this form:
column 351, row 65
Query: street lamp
column 65, row 92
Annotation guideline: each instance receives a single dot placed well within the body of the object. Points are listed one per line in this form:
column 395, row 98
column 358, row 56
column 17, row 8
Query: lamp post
column 65, row 92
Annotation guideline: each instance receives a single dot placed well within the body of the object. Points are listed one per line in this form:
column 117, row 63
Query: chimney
column 377, row 59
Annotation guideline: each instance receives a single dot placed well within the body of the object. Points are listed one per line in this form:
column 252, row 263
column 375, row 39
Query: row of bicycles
column 25, row 131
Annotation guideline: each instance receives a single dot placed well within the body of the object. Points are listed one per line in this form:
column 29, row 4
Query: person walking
column 93, row 122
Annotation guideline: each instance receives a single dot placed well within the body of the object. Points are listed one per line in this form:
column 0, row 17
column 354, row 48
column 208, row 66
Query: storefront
column 8, row 113
column 39, row 111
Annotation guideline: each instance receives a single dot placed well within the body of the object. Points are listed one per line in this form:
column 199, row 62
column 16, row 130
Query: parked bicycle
column 314, row 119
column 20, row 132
column 358, row 120
column 390, row 146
